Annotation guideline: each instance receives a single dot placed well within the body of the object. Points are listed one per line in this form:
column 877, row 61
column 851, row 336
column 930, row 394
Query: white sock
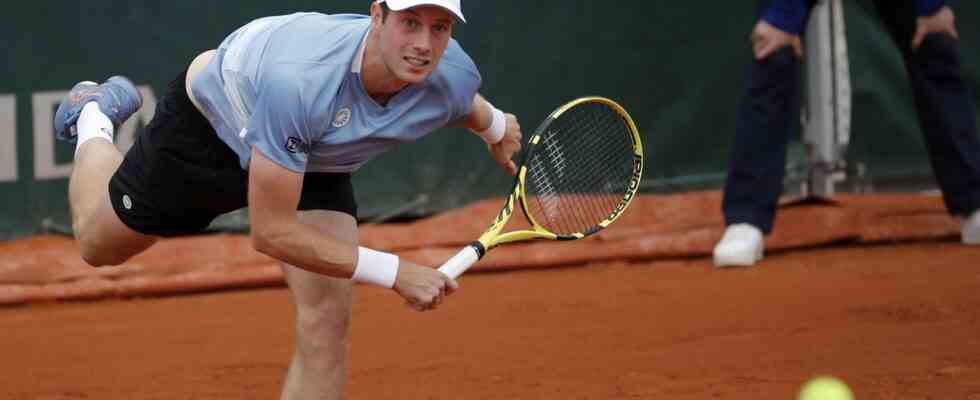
column 91, row 124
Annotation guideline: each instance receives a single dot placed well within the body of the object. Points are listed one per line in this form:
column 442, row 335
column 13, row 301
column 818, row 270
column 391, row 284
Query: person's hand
column 767, row 39
column 510, row 144
column 943, row 21
column 422, row 288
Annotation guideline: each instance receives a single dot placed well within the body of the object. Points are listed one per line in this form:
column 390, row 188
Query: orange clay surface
column 896, row 322
column 894, row 319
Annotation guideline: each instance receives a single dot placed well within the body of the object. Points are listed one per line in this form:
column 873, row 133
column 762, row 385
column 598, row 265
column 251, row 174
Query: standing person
column 276, row 119
column 925, row 32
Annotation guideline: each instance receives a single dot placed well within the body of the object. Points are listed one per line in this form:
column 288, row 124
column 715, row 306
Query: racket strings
column 570, row 201
column 570, row 210
column 580, row 170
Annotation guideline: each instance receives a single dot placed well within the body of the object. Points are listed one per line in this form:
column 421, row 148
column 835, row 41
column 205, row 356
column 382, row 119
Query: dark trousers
column 771, row 98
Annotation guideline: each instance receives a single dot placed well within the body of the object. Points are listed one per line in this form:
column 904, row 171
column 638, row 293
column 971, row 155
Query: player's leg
column 946, row 112
column 766, row 113
column 89, row 115
column 323, row 304
column 323, row 311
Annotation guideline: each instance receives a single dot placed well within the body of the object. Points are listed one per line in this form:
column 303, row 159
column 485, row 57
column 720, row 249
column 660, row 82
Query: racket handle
column 462, row 261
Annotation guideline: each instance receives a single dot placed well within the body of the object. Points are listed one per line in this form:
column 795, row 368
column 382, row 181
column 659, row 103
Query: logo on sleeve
column 295, row 145
column 342, row 117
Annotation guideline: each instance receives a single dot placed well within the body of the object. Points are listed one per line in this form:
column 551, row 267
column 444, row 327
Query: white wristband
column 498, row 125
column 376, row 267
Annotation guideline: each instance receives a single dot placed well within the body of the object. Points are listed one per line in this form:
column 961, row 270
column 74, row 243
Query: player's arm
column 274, row 193
column 500, row 130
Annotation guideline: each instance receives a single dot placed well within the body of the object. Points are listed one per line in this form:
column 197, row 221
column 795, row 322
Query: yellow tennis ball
column 825, row 388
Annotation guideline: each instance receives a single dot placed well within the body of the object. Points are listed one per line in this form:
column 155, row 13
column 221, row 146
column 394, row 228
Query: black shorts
column 179, row 175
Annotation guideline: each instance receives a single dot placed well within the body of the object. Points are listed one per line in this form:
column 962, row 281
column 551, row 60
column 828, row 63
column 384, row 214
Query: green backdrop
column 676, row 66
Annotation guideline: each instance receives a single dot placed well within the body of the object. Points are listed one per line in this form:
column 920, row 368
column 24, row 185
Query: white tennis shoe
column 741, row 246
column 971, row 229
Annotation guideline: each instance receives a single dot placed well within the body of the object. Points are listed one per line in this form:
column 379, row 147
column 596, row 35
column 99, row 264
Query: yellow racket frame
column 492, row 237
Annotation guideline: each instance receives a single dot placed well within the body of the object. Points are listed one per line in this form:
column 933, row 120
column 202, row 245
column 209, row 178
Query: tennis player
column 276, row 119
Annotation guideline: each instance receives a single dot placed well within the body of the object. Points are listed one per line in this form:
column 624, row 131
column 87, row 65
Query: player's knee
column 333, row 319
column 97, row 255
column 323, row 329
column 99, row 258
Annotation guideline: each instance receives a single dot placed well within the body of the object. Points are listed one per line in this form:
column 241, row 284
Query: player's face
column 413, row 40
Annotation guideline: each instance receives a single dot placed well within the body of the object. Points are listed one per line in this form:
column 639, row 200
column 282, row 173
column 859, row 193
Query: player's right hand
column 423, row 288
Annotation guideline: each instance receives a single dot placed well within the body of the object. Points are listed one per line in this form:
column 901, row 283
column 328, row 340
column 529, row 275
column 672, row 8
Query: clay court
column 894, row 315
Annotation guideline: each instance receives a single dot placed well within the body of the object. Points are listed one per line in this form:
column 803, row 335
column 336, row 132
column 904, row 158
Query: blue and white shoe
column 117, row 98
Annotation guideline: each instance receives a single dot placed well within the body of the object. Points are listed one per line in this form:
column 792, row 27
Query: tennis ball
column 825, row 388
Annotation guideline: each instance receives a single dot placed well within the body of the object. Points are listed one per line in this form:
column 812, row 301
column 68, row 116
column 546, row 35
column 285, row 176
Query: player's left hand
column 943, row 21
column 510, row 144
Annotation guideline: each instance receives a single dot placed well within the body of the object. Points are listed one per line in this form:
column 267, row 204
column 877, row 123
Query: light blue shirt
column 291, row 87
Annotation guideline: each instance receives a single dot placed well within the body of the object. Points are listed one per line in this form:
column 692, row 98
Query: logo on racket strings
column 634, row 184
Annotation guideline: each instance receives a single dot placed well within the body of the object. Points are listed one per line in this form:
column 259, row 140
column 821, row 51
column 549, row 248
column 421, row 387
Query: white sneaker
column 741, row 246
column 971, row 229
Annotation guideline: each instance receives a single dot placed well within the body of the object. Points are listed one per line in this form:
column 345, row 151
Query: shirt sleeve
column 462, row 97
column 279, row 126
column 787, row 15
column 925, row 8
column 463, row 81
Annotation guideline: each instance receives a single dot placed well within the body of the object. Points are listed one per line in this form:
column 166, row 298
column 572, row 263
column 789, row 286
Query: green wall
column 676, row 66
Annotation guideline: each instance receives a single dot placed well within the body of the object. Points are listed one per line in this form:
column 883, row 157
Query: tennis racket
column 581, row 169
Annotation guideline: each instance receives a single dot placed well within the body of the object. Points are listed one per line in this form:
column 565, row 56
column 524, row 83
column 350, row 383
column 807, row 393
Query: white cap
column 451, row 5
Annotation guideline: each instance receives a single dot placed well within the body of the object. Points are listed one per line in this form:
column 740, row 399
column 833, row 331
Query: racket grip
column 462, row 261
